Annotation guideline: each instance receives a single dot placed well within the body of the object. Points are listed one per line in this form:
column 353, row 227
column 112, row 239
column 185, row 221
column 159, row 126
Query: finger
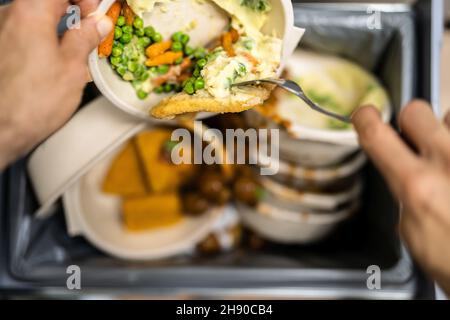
column 419, row 124
column 78, row 43
column 383, row 145
column 41, row 14
column 87, row 6
column 447, row 120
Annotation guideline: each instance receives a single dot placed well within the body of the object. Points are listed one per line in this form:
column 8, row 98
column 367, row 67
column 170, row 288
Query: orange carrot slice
column 105, row 48
column 128, row 13
column 227, row 44
column 158, row 48
column 168, row 57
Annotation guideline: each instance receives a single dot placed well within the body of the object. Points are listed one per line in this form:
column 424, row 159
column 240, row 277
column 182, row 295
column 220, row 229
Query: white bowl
column 311, row 145
column 287, row 197
column 121, row 93
column 97, row 216
column 292, row 227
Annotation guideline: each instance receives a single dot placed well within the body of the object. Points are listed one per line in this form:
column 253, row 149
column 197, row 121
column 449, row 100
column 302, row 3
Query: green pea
column 189, row 88
column 118, row 44
column 115, row 61
column 177, row 46
column 200, row 53
column 144, row 76
column 177, row 87
column 149, row 31
column 179, row 60
column 138, row 23
column 199, row 84
column 142, row 94
column 188, row 50
column 121, row 70
column 144, row 42
column 126, row 38
column 139, row 32
column 167, row 87
column 132, row 66
column 127, row 29
column 154, row 69
column 117, row 33
column 196, row 72
column 185, row 39
column 158, row 89
column 201, row 63
column 162, row 69
column 177, row 36
column 117, row 51
column 120, row 21
column 124, row 59
column 157, row 37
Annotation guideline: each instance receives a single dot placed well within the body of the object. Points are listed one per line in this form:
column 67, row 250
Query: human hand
column 42, row 76
column 420, row 180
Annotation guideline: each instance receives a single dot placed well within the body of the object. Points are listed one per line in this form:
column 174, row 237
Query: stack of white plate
column 318, row 183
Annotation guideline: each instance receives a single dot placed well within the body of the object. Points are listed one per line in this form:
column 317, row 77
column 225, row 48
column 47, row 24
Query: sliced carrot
column 168, row 57
column 234, row 35
column 185, row 64
column 105, row 48
column 250, row 58
column 128, row 13
column 227, row 44
column 158, row 48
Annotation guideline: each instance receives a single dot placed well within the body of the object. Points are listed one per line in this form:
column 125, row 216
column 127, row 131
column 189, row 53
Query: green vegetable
column 144, row 76
column 115, row 61
column 169, row 145
column 139, row 32
column 188, row 50
column 201, row 63
column 120, row 21
column 121, row 70
column 138, row 23
column 179, row 60
column 189, row 88
column 177, row 36
column 132, row 66
column 126, row 38
column 118, row 44
column 185, row 39
column 167, row 87
column 157, row 37
column 199, row 84
column 127, row 29
column 142, row 94
column 117, row 33
column 257, row 5
column 196, row 72
column 117, row 51
column 200, row 53
column 144, row 42
column 177, row 46
column 158, row 90
column 162, row 69
column 149, row 31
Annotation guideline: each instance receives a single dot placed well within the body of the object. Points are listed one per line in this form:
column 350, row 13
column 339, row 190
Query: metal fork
column 294, row 88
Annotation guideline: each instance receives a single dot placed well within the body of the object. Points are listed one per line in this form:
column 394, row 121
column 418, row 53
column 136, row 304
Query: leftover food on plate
column 157, row 193
column 334, row 83
column 196, row 78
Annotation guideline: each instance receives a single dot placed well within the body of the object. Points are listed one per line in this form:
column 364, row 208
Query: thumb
column 78, row 43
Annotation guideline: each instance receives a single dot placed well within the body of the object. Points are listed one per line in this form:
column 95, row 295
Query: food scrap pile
column 142, row 57
column 156, row 193
column 201, row 78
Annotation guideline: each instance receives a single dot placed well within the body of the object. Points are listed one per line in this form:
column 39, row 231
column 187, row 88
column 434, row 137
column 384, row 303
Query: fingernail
column 104, row 26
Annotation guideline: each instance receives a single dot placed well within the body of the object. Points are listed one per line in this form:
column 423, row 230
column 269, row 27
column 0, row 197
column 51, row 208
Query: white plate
column 292, row 227
column 97, row 216
column 290, row 197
